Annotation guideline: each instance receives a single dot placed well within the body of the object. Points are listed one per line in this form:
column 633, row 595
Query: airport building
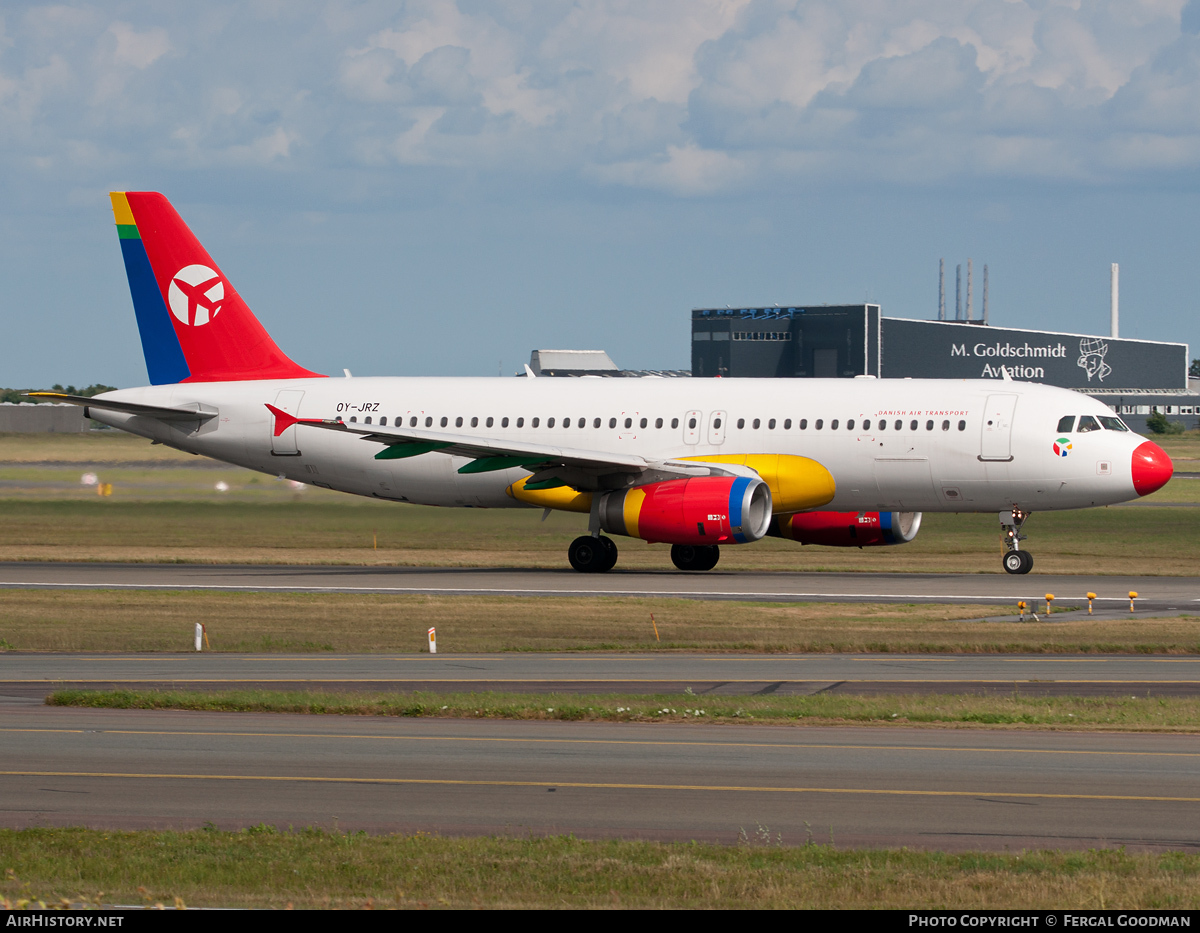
column 1135, row 377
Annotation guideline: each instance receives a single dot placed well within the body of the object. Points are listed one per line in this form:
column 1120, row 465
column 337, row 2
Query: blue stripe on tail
column 160, row 346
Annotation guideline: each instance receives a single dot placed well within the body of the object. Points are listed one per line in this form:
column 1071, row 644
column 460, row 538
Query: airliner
column 694, row 463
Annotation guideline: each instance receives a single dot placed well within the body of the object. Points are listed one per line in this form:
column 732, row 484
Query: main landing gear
column 1015, row 560
column 592, row 554
column 695, row 557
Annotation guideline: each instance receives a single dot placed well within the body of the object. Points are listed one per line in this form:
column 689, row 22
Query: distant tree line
column 18, row 395
column 1194, row 369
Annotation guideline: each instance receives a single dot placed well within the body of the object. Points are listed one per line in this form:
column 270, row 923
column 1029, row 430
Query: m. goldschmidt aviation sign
column 923, row 349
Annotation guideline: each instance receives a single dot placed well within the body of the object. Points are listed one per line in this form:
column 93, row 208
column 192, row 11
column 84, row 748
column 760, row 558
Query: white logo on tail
column 196, row 294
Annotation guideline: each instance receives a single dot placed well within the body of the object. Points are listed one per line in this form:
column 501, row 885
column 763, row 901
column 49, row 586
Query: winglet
column 283, row 420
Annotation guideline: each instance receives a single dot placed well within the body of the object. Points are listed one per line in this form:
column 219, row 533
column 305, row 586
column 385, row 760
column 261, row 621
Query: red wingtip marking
column 283, row 420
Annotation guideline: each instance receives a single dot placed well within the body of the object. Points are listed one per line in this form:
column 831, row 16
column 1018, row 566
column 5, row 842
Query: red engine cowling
column 703, row 510
column 848, row 529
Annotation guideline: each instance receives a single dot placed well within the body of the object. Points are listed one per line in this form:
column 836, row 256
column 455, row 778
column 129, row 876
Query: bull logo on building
column 1092, row 351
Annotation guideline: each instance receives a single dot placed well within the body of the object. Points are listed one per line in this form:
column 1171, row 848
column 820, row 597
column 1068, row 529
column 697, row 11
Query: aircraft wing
column 189, row 412
column 570, row 466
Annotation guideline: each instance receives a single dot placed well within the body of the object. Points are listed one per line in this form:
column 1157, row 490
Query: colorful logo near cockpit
column 1061, row 446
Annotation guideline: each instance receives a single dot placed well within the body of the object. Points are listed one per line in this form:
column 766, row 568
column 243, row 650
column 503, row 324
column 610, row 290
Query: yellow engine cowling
column 563, row 498
column 796, row 483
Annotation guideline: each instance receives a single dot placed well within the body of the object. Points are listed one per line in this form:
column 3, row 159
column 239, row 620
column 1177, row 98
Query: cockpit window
column 1113, row 424
column 1087, row 423
column 1066, row 424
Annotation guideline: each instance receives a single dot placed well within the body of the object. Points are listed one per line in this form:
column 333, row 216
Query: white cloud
column 690, row 97
column 139, row 49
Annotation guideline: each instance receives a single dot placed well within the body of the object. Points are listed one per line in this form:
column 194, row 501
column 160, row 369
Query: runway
column 33, row 675
column 1155, row 593
column 947, row 789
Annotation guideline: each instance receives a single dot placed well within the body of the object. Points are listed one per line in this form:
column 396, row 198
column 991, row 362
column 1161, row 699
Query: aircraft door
column 285, row 445
column 716, row 428
column 995, row 442
column 691, row 427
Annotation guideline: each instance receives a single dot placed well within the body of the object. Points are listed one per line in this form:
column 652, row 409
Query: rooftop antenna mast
column 968, row 289
column 958, row 292
column 985, row 294
column 941, row 289
column 1113, row 290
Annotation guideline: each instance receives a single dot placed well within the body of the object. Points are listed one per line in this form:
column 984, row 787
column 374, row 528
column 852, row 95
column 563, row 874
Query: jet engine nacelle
column 848, row 529
column 699, row 511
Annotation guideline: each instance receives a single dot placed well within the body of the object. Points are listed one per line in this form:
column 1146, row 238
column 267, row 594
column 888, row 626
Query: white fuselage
column 1002, row 456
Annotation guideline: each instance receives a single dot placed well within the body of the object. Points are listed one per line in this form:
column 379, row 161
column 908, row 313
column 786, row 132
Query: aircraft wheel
column 695, row 557
column 1018, row 562
column 588, row 554
column 610, row 554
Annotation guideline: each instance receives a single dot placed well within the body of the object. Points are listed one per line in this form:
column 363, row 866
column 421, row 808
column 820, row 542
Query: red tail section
column 221, row 340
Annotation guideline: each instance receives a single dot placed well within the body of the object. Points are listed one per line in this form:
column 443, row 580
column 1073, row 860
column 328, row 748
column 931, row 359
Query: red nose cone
column 1151, row 468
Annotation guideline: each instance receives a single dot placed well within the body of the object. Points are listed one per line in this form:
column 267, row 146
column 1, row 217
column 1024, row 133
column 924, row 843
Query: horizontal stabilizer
column 191, row 411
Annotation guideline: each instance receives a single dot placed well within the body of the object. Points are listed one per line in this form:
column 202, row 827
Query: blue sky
column 437, row 188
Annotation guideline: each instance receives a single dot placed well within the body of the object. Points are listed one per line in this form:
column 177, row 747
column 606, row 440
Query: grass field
column 1119, row 540
column 131, row 620
column 312, row 868
column 165, row 507
column 1087, row 714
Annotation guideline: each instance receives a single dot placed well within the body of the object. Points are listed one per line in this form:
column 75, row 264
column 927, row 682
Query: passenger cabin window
column 928, row 425
column 899, row 425
column 383, row 421
column 475, row 422
column 412, row 422
column 595, row 422
column 755, row 423
column 803, row 424
column 819, row 424
column 354, row 419
column 458, row 421
column 658, row 422
column 612, row 422
column 549, row 422
column 833, row 424
column 503, row 422
column 850, row 425
column 771, row 425
column 1087, row 423
column 367, row 420
column 644, row 422
column 628, row 422
column 675, row 423
column 741, row 423
column 520, row 422
column 1066, row 424
column 445, row 420
column 583, row 423
column 945, row 425
column 962, row 425
column 428, row 421
column 787, row 423
column 1113, row 424
column 533, row 423
column 492, row 421
column 716, row 423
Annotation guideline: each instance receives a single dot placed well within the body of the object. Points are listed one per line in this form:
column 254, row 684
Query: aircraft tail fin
column 194, row 325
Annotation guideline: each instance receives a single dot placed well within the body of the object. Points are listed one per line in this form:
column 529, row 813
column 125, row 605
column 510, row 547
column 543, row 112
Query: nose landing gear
column 1015, row 560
